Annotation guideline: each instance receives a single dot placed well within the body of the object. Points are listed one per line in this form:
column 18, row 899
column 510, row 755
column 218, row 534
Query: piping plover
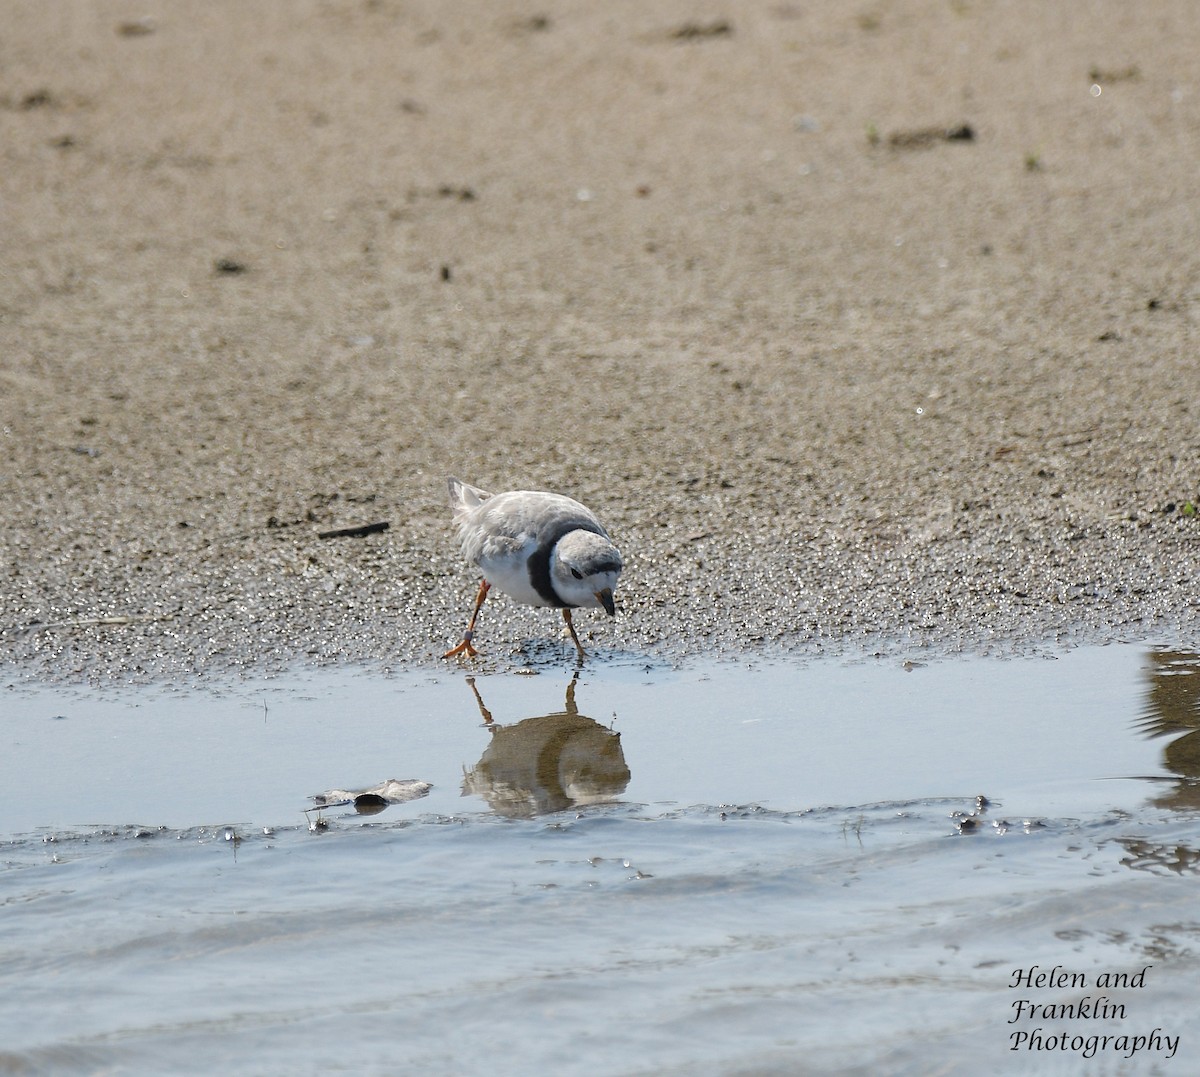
column 541, row 549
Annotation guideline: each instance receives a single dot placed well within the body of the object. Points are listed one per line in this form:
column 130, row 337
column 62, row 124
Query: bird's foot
column 466, row 647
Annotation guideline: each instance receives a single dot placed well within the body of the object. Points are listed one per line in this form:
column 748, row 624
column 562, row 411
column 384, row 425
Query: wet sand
column 867, row 328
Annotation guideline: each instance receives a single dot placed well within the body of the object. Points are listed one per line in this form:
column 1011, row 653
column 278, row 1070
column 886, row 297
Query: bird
column 539, row 548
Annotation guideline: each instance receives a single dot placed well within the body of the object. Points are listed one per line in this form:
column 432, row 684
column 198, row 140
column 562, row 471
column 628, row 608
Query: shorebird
column 540, row 549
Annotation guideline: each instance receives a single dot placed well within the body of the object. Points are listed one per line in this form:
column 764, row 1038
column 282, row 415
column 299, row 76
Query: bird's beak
column 606, row 600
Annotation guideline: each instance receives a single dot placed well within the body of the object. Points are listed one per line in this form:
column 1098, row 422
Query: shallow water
column 721, row 868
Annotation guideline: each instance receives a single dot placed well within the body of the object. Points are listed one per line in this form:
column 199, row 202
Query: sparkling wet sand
column 868, row 327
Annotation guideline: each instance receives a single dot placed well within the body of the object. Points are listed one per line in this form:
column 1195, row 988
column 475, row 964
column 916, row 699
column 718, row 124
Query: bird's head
column 584, row 568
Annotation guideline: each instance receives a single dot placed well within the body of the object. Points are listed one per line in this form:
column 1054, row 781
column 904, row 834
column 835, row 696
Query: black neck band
column 539, row 562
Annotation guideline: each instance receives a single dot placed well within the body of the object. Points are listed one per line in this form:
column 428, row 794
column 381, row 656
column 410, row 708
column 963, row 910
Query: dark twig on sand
column 355, row 532
column 85, row 622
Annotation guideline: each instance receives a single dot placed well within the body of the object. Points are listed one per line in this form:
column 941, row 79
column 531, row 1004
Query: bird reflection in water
column 1172, row 710
column 547, row 764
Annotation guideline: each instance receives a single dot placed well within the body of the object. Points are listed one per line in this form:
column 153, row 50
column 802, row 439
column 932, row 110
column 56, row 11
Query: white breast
column 508, row 570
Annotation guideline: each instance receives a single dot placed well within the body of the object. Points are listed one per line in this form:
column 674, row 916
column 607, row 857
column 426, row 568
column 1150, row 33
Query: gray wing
column 507, row 523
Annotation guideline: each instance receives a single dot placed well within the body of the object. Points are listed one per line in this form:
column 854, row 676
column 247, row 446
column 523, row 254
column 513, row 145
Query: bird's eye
column 577, row 574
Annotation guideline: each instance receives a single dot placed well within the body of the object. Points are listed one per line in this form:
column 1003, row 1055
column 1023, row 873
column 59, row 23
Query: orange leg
column 574, row 638
column 466, row 645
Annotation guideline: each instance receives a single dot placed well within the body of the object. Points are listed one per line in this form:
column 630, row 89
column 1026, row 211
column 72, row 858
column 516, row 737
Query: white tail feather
column 464, row 497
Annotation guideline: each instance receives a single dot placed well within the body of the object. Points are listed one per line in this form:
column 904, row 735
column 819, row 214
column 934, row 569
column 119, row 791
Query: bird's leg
column 466, row 645
column 574, row 638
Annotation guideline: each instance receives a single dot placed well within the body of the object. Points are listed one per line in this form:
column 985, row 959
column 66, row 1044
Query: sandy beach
column 867, row 327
